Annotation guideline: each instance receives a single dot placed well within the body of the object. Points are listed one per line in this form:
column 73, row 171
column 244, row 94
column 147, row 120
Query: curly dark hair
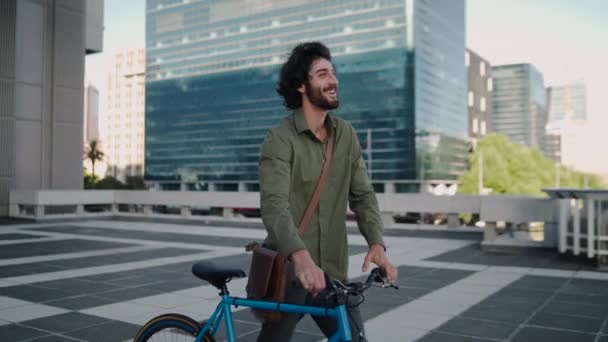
column 295, row 71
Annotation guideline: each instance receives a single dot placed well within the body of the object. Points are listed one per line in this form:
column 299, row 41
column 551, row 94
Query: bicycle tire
column 169, row 326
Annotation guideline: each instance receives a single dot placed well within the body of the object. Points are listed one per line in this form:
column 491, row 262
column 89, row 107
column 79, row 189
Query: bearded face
column 322, row 85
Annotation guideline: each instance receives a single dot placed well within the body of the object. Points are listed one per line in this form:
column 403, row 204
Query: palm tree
column 93, row 153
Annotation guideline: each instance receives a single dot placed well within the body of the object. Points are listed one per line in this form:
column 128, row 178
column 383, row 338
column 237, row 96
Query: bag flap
column 262, row 262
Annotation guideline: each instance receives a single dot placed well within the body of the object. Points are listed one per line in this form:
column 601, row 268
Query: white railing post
column 564, row 211
column 148, row 210
column 590, row 228
column 227, row 212
column 14, row 210
column 38, row 211
column 576, row 236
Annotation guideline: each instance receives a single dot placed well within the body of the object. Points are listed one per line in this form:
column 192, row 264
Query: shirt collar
column 301, row 125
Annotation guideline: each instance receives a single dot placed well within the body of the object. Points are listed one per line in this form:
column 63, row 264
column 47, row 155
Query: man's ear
column 302, row 88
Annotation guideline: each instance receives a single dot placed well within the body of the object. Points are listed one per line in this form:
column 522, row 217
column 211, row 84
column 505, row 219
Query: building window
column 475, row 125
column 483, row 128
column 482, row 104
column 490, row 84
column 471, row 99
column 482, row 68
column 467, row 58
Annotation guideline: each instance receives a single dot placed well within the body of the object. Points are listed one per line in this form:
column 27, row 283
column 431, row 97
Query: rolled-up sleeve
column 275, row 177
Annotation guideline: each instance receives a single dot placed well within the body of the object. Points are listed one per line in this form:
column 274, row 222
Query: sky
column 566, row 40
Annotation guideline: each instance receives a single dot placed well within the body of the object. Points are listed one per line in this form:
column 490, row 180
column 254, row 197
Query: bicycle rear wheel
column 171, row 327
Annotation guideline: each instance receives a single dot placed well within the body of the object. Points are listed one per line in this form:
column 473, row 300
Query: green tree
column 93, row 153
column 510, row 168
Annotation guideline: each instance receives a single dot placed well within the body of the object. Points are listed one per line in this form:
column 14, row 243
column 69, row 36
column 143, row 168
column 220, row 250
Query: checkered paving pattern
column 101, row 280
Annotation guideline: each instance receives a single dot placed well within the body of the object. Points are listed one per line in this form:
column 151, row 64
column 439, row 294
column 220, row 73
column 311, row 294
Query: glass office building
column 212, row 69
column 520, row 104
column 567, row 102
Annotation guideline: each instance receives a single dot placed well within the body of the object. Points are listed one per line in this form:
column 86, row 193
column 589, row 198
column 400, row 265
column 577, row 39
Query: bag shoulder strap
column 312, row 205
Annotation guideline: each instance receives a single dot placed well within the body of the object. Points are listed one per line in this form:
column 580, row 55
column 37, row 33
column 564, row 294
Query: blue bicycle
column 176, row 327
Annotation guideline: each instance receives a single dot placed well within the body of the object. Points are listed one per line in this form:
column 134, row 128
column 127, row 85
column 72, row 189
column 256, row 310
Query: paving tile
column 586, row 287
column 539, row 283
column 241, row 328
column 478, row 328
column 18, row 236
column 593, row 311
column 122, row 257
column 528, row 334
column 35, row 294
column 26, row 269
column 497, row 314
column 17, row 333
column 445, row 337
column 149, row 235
column 76, row 286
column 55, row 338
column 580, row 324
column 131, row 293
column 8, row 302
column 582, row 299
column 111, row 331
column 68, row 321
column 28, row 312
column 81, row 302
column 21, row 250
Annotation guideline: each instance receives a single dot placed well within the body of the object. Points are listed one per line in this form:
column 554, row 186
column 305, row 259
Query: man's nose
column 334, row 79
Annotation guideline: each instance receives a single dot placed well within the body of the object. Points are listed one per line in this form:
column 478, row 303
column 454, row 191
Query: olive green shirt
column 290, row 166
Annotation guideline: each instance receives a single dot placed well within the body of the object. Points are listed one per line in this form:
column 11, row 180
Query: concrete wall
column 41, row 87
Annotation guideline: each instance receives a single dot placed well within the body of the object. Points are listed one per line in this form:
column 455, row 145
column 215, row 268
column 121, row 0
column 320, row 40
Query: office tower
column 123, row 141
column 567, row 102
column 520, row 106
column 212, row 71
column 479, row 96
column 91, row 114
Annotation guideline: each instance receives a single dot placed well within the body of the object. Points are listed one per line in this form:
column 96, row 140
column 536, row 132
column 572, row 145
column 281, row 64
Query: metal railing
column 583, row 222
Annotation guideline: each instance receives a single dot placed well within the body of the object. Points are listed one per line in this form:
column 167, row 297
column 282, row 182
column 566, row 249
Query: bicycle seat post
column 224, row 290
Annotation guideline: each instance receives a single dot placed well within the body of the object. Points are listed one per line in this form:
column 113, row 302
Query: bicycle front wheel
column 171, row 327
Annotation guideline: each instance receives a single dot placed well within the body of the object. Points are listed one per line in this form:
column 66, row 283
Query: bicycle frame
column 224, row 311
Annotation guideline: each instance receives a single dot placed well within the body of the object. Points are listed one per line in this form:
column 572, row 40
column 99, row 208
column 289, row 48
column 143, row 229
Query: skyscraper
column 91, row 114
column 568, row 102
column 567, row 108
column 123, row 142
column 520, row 106
column 212, row 71
column 479, row 96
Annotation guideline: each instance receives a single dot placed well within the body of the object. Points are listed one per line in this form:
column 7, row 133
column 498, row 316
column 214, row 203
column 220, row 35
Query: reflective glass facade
column 212, row 68
column 520, row 104
column 567, row 102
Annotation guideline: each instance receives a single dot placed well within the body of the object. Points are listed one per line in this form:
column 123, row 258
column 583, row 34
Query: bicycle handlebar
column 377, row 277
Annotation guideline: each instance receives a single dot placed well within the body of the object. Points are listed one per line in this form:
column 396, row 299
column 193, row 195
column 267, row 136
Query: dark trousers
column 282, row 330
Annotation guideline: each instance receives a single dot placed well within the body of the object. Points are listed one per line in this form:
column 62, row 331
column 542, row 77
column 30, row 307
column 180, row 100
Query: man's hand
column 377, row 256
column 308, row 273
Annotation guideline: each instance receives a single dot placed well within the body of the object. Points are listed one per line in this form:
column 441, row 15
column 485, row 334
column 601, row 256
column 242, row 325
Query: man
column 290, row 165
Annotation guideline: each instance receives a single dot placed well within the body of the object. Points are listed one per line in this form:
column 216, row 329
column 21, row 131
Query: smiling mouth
column 332, row 92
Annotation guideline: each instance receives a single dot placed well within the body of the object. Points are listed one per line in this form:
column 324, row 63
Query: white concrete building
column 123, row 137
column 91, row 113
column 42, row 51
